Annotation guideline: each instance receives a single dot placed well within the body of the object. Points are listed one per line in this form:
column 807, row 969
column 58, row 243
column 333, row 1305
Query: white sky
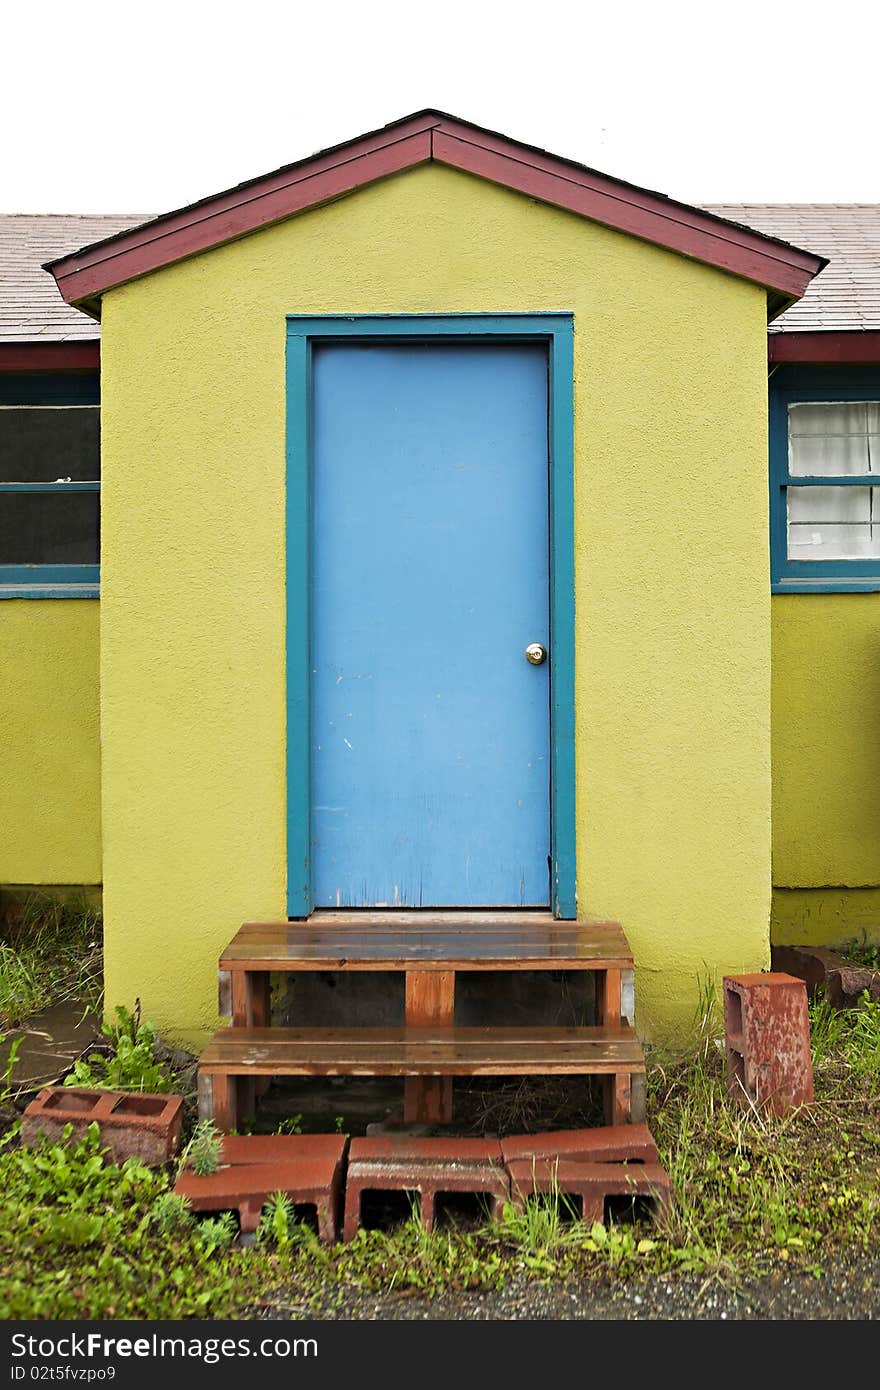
column 124, row 107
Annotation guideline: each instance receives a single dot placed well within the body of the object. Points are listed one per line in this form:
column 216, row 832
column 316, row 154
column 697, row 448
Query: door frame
column 556, row 330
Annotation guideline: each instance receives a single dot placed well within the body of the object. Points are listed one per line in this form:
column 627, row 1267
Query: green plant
column 171, row 1213
column 7, row 1089
column 131, row 1065
column 204, row 1152
column 339, row 1122
column 291, row 1125
column 217, row 1232
column 279, row 1225
column 863, row 952
column 51, row 954
column 848, row 1037
column 541, row 1226
column 81, row 1238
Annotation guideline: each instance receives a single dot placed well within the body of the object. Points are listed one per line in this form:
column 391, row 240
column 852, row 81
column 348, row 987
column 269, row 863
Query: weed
column 863, row 952
column 216, row 1232
column 171, row 1213
column 131, row 1065
column 291, row 1125
column 50, row 955
column 541, row 1226
column 7, row 1089
column 279, row 1225
column 204, row 1151
column 848, row 1038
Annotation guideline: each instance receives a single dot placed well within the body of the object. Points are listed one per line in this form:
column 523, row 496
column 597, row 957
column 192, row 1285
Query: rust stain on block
column 767, row 1040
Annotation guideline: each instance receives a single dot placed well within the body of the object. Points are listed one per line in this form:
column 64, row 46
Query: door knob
column 536, row 654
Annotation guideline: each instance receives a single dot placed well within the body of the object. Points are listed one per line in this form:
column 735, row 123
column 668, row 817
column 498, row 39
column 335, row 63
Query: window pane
column 39, row 444
column 830, row 438
column 833, row 523
column 49, row 528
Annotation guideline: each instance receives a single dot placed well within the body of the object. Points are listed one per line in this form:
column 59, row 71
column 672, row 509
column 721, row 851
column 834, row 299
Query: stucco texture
column 826, row 766
column 50, row 783
column 673, row 624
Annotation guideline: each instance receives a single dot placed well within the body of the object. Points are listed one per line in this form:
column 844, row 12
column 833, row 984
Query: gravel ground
column 849, row 1292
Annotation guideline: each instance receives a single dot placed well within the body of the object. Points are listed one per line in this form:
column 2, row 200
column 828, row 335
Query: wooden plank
column 423, row 1052
column 462, row 1036
column 520, row 945
column 510, row 960
column 430, row 1002
column 226, row 1088
column 618, row 1104
column 608, row 998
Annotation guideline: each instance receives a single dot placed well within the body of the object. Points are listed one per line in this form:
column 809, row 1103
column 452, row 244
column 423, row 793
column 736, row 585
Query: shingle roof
column 845, row 296
column 31, row 307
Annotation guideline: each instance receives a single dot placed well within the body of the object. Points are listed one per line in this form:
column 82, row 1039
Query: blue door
column 430, row 728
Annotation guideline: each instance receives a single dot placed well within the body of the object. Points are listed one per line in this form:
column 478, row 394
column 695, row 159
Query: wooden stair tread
column 428, row 941
column 422, row 1051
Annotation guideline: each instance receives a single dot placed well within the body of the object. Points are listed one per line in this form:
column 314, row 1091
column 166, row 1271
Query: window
column 49, row 499
column 825, row 482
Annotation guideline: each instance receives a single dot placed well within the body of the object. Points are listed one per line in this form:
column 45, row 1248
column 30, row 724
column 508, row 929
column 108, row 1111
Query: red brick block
column 604, row 1144
column 389, row 1148
column 401, row 1163
column 589, row 1184
column 767, row 1036
column 307, row 1167
column 133, row 1124
column 282, row 1148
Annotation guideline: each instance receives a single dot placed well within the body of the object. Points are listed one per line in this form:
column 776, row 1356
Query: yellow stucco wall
column 50, row 810
column 673, row 637
column 826, row 766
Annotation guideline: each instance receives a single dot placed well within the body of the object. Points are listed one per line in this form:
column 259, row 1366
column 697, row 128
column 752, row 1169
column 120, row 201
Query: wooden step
column 428, row 941
column 422, row 1051
column 237, row 1055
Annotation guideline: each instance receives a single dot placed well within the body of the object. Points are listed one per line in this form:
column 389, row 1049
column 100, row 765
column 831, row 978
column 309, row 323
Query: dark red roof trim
column 50, row 357
column 430, row 135
column 826, row 348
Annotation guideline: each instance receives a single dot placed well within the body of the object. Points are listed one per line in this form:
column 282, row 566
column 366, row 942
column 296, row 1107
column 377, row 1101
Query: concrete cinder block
column 307, row 1167
column 133, row 1124
column 402, row 1163
column 767, row 1040
column 604, row 1144
column 591, row 1184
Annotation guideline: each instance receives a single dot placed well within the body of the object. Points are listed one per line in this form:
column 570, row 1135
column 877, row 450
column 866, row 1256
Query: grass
column 80, row 1239
column 862, row 952
column 754, row 1194
column 50, row 954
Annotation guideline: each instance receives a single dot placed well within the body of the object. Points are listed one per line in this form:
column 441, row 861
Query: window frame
column 814, row 386
column 48, row 391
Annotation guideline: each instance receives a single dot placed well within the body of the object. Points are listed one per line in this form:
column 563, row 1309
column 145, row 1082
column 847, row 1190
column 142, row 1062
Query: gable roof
column 31, row 308
column 424, row 137
column 846, row 297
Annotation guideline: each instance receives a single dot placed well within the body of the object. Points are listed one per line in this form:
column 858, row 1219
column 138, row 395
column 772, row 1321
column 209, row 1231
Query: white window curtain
column 833, row 439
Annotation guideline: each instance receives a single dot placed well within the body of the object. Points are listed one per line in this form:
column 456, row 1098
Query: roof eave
column 432, row 136
column 825, row 347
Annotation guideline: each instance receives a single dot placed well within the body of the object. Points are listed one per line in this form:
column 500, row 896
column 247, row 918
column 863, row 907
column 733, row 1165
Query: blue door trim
column 556, row 330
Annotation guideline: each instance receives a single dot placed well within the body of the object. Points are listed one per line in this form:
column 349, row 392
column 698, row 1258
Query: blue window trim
column 557, row 331
column 791, row 386
column 49, row 581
